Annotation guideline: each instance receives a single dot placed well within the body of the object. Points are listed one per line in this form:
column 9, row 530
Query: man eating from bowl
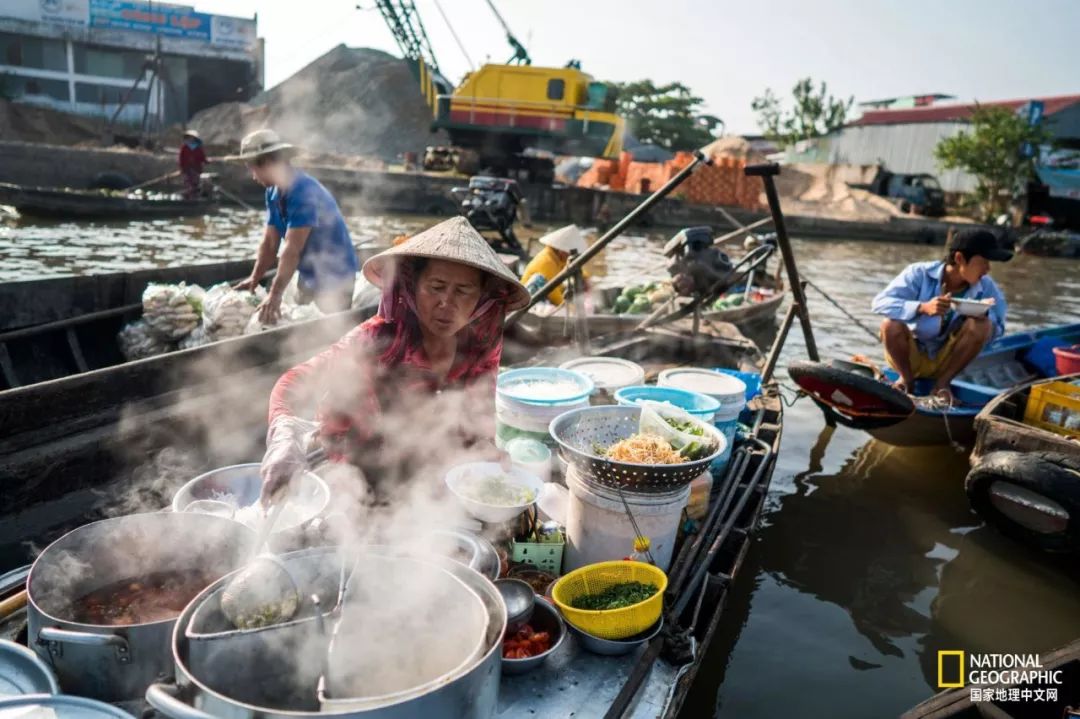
column 924, row 334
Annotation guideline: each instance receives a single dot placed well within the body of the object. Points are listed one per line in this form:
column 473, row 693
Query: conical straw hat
column 452, row 240
column 567, row 239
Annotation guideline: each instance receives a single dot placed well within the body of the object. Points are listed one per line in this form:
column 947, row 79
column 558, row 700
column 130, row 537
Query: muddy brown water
column 867, row 560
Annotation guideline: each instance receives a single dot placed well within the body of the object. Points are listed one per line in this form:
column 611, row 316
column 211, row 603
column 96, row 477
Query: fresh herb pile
column 616, row 596
column 691, row 450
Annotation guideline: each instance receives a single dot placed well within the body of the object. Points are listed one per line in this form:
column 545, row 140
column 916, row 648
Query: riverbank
column 361, row 190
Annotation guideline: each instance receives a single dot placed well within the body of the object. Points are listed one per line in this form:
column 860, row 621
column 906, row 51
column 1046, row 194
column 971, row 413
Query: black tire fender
column 1050, row 474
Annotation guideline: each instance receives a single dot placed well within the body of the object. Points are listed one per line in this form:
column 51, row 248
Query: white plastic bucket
column 727, row 421
column 524, row 419
column 609, row 374
column 598, row 530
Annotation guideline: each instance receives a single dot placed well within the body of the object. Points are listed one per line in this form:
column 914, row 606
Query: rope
column 939, row 404
column 873, row 333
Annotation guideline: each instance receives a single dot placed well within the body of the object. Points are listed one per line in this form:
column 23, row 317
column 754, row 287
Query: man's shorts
column 922, row 365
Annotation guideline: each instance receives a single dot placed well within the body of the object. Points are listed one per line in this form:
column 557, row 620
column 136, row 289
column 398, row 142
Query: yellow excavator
column 509, row 119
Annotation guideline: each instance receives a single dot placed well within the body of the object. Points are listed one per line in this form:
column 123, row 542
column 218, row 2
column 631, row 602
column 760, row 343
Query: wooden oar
column 156, row 180
column 12, row 604
column 234, row 198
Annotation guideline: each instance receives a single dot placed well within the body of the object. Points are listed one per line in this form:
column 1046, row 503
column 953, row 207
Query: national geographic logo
column 1011, row 677
column 950, row 669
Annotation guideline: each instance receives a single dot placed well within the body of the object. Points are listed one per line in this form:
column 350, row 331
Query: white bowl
column 971, row 308
column 492, row 513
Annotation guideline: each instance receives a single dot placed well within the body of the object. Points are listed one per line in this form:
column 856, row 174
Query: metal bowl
column 463, row 546
column 309, row 495
column 612, row 647
column 22, row 672
column 578, row 430
column 545, row 618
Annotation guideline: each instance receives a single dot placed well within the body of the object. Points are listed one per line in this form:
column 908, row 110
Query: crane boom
column 404, row 21
column 521, row 55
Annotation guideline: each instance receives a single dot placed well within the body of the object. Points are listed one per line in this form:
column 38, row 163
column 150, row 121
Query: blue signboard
column 1033, row 112
column 170, row 20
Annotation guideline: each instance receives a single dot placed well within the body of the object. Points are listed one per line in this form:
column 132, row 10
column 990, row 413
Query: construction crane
column 509, row 119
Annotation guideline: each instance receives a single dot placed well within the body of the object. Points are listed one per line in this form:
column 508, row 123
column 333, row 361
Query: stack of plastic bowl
column 609, row 374
column 526, row 400
column 730, row 391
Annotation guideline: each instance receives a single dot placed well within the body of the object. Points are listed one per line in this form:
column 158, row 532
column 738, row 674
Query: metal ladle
column 264, row 592
column 519, row 598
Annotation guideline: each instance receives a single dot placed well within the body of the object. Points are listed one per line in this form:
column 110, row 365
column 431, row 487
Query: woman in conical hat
column 438, row 331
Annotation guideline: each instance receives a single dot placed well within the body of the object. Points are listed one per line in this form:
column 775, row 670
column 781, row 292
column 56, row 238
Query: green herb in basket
column 616, row 596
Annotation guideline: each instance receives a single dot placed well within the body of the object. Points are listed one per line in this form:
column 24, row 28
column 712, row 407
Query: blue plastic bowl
column 699, row 405
column 520, row 385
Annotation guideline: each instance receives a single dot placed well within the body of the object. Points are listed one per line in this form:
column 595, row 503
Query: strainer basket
column 578, row 430
column 610, row 623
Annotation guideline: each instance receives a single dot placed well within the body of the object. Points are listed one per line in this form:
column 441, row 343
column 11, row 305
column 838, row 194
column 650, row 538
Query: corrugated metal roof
column 957, row 113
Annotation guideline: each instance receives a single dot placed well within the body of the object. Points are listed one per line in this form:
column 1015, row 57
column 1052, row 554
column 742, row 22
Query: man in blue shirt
column 301, row 211
column 924, row 336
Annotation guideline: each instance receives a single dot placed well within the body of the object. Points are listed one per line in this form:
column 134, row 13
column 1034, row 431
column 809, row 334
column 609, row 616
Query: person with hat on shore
column 396, row 388
column 302, row 216
column 923, row 335
column 550, row 261
column 192, row 159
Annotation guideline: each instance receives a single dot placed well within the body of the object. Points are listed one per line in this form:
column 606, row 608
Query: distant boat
column 67, row 203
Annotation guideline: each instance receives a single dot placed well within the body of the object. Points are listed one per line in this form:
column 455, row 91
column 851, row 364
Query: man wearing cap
column 303, row 213
column 552, row 260
column 924, row 337
column 192, row 159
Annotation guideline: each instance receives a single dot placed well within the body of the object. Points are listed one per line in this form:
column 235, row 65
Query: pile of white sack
column 172, row 311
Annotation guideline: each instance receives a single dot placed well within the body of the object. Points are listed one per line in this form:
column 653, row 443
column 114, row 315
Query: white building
column 903, row 140
column 91, row 56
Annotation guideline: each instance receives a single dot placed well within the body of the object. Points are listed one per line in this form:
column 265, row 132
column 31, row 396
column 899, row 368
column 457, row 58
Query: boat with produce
column 1025, row 468
column 860, row 395
column 67, row 203
column 411, row 624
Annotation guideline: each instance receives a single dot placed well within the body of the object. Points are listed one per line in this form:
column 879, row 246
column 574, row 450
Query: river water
column 867, row 560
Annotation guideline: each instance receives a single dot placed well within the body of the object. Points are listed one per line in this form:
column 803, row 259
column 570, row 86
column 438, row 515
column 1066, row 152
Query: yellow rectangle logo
column 950, row 674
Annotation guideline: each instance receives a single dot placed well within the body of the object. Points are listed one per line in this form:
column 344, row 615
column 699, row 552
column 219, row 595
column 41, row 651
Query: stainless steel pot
column 469, row 693
column 117, row 663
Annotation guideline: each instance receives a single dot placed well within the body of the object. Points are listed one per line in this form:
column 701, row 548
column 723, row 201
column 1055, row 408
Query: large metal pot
column 468, row 691
column 116, row 663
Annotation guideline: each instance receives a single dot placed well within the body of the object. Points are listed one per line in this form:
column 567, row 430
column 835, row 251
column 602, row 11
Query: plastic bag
column 170, row 310
column 138, row 341
column 688, row 435
column 226, row 311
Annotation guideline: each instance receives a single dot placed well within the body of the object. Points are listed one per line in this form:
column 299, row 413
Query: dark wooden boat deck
column 65, row 203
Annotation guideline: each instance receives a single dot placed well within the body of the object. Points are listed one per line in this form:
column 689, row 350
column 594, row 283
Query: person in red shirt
column 416, row 379
column 192, row 159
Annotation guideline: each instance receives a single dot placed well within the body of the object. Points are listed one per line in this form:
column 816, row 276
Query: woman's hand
column 286, row 455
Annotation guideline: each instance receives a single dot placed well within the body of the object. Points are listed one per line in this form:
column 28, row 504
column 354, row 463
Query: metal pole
column 778, row 344
column 766, row 172
column 699, row 159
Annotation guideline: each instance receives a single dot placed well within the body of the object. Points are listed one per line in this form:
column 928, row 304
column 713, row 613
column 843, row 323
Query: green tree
column 667, row 115
column 814, row 113
column 991, row 151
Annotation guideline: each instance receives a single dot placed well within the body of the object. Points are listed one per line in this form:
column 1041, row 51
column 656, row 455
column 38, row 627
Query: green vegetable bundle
column 616, row 596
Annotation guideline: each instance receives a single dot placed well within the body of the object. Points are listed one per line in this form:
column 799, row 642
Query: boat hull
column 59, row 203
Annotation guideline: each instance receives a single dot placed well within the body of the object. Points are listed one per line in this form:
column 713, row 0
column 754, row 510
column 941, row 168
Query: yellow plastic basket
column 611, row 623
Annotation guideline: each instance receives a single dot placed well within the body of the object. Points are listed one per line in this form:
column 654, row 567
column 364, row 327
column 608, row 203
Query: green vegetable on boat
column 616, row 596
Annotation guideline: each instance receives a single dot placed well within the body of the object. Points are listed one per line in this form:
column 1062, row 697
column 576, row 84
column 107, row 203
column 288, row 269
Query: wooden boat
column 958, row 704
column 753, row 319
column 1025, row 480
column 63, row 203
column 998, row 368
column 1051, row 243
column 97, row 453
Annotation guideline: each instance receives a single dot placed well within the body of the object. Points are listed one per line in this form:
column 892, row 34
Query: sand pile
column 822, row 191
column 20, row 122
column 732, row 146
column 350, row 101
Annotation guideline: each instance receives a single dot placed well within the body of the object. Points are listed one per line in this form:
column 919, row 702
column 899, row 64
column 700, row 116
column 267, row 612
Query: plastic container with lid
column 728, row 389
column 526, row 400
column 531, row 455
column 609, row 374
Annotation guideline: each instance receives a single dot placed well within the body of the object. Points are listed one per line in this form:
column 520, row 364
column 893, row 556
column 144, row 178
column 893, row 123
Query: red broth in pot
column 139, row 600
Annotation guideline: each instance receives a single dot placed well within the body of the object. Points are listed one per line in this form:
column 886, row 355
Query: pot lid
column 607, row 372
column 722, row 386
column 22, row 672
column 58, row 706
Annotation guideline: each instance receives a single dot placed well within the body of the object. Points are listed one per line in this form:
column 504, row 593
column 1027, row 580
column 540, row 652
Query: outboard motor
column 696, row 264
column 491, row 203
